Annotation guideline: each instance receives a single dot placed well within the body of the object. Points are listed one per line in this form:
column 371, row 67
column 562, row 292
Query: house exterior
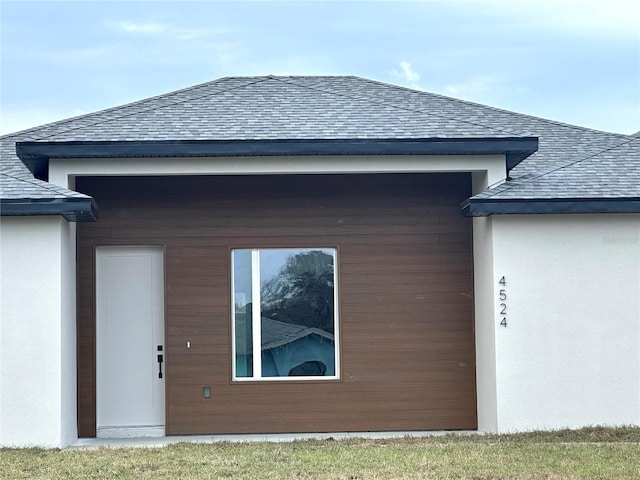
column 315, row 254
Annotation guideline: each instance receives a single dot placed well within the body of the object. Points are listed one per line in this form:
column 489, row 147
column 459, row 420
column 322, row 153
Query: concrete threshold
column 155, row 442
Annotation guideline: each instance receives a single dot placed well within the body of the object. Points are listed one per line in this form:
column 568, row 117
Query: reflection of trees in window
column 302, row 291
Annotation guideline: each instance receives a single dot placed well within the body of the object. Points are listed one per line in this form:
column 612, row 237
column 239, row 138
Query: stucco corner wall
column 570, row 354
column 37, row 332
column 484, row 324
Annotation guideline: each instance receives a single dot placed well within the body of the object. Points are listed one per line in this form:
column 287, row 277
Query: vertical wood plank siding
column 405, row 290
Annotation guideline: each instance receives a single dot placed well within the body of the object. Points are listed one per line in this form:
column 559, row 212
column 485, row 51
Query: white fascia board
column 63, row 170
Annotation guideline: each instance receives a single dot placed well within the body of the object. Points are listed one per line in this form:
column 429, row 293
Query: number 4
column 504, row 321
column 503, row 281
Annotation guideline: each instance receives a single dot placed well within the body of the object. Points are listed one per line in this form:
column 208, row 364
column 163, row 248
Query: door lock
column 160, row 360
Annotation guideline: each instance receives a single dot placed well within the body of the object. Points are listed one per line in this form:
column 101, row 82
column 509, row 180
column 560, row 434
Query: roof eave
column 72, row 209
column 485, row 208
column 35, row 155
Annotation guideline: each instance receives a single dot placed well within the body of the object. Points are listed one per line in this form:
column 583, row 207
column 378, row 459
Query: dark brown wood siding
column 405, row 296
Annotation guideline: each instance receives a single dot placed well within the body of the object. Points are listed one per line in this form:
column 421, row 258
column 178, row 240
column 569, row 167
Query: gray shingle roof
column 276, row 334
column 266, row 108
column 570, row 161
column 17, row 182
column 606, row 173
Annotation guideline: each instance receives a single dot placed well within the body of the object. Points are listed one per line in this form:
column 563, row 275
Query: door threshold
column 145, row 431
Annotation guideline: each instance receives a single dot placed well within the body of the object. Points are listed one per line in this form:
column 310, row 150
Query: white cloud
column 407, row 74
column 167, row 30
column 149, row 43
column 143, row 28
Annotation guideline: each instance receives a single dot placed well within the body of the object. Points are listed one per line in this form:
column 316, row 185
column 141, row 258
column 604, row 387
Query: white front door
column 129, row 339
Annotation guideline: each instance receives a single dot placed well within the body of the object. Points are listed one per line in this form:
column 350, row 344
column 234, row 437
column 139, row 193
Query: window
column 284, row 307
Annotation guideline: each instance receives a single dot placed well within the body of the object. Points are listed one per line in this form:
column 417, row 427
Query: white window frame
column 256, row 320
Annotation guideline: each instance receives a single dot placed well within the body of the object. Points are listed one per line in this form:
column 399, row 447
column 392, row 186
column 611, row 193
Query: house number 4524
column 502, row 298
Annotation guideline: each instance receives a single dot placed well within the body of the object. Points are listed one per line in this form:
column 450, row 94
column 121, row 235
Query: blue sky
column 576, row 61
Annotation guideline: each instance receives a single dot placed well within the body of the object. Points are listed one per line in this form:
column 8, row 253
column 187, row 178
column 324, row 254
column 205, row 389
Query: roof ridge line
column 531, row 177
column 575, row 162
column 102, row 111
column 144, row 100
column 261, row 79
column 44, row 185
column 497, row 109
column 407, row 109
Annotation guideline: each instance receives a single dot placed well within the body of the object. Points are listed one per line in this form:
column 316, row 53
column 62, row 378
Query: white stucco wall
column 570, row 355
column 37, row 332
column 484, row 325
column 68, row 329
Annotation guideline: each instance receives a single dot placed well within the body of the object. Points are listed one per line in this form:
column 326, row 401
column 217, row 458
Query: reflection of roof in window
column 276, row 334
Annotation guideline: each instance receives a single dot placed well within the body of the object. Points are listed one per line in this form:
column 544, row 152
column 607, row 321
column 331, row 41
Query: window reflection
column 242, row 312
column 296, row 315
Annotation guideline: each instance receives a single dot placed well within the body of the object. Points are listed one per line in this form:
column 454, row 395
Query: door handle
column 160, row 360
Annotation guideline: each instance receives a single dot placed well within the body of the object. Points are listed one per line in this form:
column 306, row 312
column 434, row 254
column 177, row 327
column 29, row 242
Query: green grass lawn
column 597, row 453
